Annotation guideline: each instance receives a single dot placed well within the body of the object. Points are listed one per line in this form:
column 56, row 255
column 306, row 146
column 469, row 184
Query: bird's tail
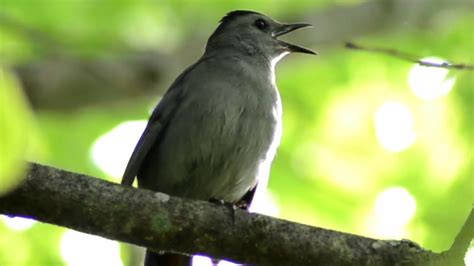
column 166, row 259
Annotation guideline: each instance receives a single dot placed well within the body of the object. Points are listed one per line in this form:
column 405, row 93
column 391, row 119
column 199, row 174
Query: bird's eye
column 261, row 24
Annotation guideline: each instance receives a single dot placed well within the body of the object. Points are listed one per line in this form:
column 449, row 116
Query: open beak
column 286, row 28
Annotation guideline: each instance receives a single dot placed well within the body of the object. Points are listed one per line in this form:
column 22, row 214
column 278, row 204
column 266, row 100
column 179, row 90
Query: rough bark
column 161, row 222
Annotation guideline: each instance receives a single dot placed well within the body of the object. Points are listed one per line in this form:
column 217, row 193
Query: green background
column 330, row 170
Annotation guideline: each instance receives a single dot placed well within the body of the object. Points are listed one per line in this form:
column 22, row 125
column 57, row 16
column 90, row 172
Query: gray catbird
column 217, row 128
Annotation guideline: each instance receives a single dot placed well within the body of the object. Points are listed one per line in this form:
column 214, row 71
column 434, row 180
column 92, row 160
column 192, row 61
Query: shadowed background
column 371, row 145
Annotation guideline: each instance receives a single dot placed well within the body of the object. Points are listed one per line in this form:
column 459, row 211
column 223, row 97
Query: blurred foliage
column 16, row 132
column 330, row 168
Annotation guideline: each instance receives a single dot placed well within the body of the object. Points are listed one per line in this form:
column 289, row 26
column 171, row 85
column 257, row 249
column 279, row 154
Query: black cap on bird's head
column 255, row 32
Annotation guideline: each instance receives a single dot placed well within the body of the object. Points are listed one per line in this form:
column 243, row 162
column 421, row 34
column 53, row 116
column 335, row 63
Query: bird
column 216, row 130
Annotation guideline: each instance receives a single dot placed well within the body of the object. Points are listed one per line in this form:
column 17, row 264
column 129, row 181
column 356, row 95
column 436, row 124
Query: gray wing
column 155, row 127
column 157, row 123
column 144, row 145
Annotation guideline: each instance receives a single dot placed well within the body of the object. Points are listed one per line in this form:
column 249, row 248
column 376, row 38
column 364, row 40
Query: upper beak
column 286, row 28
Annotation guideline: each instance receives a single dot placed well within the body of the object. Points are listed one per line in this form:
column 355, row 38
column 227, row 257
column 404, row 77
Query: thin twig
column 455, row 255
column 465, row 236
column 408, row 57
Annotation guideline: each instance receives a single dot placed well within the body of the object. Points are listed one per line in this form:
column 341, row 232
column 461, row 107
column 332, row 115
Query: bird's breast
column 222, row 138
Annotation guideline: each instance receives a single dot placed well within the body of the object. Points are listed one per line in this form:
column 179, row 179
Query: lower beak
column 286, row 28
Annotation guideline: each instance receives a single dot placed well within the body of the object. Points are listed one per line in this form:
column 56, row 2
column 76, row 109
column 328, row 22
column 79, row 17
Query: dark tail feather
column 166, row 259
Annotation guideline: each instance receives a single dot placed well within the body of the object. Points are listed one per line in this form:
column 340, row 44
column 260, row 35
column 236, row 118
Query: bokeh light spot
column 111, row 151
column 227, row 263
column 78, row 249
column 201, row 261
column 265, row 204
column 394, row 208
column 206, row 261
column 429, row 83
column 18, row 223
column 469, row 257
column 394, row 126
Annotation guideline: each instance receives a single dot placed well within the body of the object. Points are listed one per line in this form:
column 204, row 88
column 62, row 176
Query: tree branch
column 407, row 57
column 455, row 255
column 66, row 83
column 161, row 222
column 340, row 22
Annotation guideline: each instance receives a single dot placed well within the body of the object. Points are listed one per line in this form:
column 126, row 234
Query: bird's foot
column 242, row 204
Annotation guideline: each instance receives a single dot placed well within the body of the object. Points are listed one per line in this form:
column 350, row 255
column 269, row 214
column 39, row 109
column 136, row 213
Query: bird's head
column 255, row 33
